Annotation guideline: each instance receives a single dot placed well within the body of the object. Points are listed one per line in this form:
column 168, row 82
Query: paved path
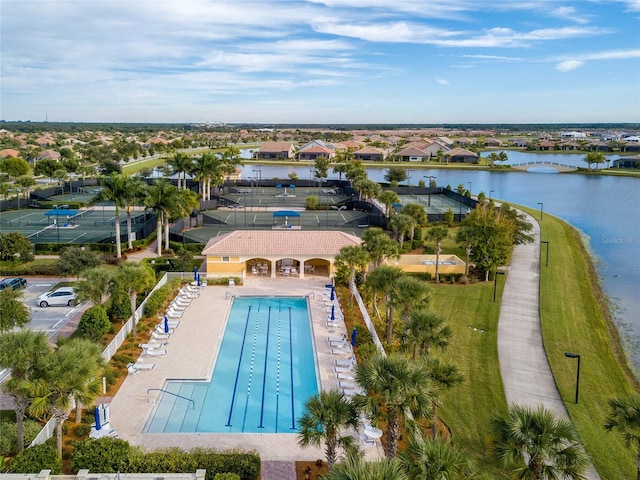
column 524, row 367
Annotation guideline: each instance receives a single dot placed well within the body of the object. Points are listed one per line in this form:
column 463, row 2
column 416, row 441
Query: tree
column 72, row 370
column 417, row 212
column 22, row 352
column 402, row 225
column 379, row 245
column 326, row 414
column 180, row 164
column 384, row 279
column 424, row 330
column 396, row 386
column 437, row 234
column 435, row 459
column 45, row 167
column 356, row 468
column 368, row 189
column 74, row 260
column 354, row 258
column 133, row 191
column 114, row 189
column 93, row 324
column 534, row 444
column 396, row 174
column 13, row 311
column 411, row 293
column 183, row 203
column 135, row 278
column 15, row 247
column 594, row 157
column 158, row 198
column 444, row 376
column 388, row 198
column 14, row 167
column 624, row 417
column 321, row 167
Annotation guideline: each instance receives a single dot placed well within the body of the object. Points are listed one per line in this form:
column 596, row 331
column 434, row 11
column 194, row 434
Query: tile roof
column 275, row 146
column 9, row 152
column 279, row 242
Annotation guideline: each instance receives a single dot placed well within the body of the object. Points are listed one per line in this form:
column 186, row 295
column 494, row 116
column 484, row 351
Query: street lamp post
column 575, row 355
column 541, row 208
column 546, row 263
column 339, row 209
column 429, row 177
column 495, row 283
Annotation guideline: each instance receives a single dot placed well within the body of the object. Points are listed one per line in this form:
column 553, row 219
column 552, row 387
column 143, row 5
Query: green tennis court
column 433, row 204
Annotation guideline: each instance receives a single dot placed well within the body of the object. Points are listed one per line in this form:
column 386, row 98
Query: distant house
column 49, row 155
column 9, row 153
column 461, row 155
column 546, row 145
column 569, row 146
column 370, row 154
column 600, row 147
column 627, row 162
column 413, row 154
column 520, row 142
column 276, row 151
column 492, row 142
column 445, row 141
column 314, row 152
column 465, row 141
column 45, row 141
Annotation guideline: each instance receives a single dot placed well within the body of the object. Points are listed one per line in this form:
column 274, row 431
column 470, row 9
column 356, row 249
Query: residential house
column 49, row 154
column 627, row 162
column 315, row 151
column 492, row 142
column 413, row 154
column 461, row 155
column 370, row 154
column 276, row 151
column 9, row 153
column 465, row 141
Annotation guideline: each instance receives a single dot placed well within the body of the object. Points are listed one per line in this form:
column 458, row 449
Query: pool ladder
column 310, row 294
column 171, row 393
column 229, row 294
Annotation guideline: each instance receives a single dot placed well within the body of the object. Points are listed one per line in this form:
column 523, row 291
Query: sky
column 320, row 61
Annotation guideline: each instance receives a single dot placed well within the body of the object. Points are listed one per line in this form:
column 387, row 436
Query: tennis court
column 433, row 204
column 284, row 196
column 94, row 225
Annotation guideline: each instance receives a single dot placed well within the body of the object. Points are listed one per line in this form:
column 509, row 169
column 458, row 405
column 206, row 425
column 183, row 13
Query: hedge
column 25, row 269
column 94, row 323
column 37, row 458
column 9, row 435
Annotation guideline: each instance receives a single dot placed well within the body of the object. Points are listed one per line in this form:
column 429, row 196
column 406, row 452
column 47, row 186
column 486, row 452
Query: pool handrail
column 171, row 393
column 230, row 294
column 310, row 294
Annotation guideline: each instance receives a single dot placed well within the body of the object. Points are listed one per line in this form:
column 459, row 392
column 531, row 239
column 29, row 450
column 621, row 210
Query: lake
column 605, row 209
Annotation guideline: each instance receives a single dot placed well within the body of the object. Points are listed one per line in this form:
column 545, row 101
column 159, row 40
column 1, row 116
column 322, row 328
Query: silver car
column 63, row 296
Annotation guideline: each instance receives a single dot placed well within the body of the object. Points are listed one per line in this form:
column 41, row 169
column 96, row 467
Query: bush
column 120, row 308
column 12, row 269
column 106, row 455
column 311, row 202
column 156, row 301
column 82, row 430
column 37, row 458
column 226, row 476
column 424, row 276
column 9, row 435
column 94, row 323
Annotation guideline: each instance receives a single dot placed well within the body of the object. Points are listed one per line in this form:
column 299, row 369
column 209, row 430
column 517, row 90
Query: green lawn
column 575, row 319
column 467, row 408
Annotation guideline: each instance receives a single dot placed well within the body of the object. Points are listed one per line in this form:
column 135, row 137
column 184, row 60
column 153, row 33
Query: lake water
column 605, row 209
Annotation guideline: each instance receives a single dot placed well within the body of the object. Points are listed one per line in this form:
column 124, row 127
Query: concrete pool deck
column 191, row 354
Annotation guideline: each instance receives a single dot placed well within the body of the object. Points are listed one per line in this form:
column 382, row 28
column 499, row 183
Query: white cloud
column 568, row 65
column 442, row 81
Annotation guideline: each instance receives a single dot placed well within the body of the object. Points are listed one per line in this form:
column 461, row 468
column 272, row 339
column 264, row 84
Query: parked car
column 62, row 296
column 14, row 283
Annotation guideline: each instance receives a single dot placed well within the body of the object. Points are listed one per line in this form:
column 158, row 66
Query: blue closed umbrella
column 354, row 334
column 166, row 324
column 333, row 312
column 333, row 295
column 96, row 414
column 198, row 279
column 195, row 273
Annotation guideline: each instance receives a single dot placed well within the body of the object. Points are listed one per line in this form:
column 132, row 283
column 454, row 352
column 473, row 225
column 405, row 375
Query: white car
column 63, row 296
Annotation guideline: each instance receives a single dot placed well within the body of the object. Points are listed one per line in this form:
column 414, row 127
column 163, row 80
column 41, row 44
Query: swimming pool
column 264, row 373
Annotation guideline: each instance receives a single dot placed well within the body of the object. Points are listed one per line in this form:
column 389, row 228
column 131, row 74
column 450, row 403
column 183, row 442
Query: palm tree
column 435, row 459
column 158, row 198
column 535, row 444
column 594, row 157
column 72, row 370
column 180, row 164
column 424, row 330
column 379, row 245
column 396, row 386
column 133, row 191
column 411, row 293
column 444, row 375
column 207, row 169
column 353, row 257
column 383, row 279
column 417, row 212
column 388, row 198
column 113, row 190
column 184, row 201
column 135, row 278
column 624, row 416
column 437, row 234
column 22, row 351
column 326, row 415
column 465, row 237
column 95, row 284
column 356, row 468
column 402, row 225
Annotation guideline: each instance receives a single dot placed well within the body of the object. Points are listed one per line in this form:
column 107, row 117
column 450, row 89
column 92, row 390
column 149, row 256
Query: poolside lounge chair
column 350, row 392
column 150, row 346
column 183, row 300
column 346, row 375
column 154, row 353
column 189, row 293
column 347, row 370
column 348, row 384
column 173, row 314
column 342, row 351
column 338, row 342
column 367, row 441
column 138, row 367
column 159, row 335
column 177, row 308
column 232, row 282
column 346, row 362
column 160, row 329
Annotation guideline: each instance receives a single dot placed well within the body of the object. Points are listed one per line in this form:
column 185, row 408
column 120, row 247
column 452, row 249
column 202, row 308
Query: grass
column 575, row 318
column 144, row 164
column 467, row 408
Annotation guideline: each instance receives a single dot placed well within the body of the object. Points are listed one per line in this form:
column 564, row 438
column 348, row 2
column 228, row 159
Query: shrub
column 120, row 308
column 82, row 430
column 107, row 455
column 94, row 323
column 226, row 476
column 311, row 202
column 37, row 458
column 9, row 435
column 156, row 301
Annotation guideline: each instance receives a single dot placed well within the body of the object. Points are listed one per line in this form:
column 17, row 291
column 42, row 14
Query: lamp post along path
column 575, row 355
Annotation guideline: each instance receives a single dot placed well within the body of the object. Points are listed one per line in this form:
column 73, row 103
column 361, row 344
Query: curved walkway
column 526, row 374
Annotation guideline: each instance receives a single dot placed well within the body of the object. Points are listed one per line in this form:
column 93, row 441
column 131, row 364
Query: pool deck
column 191, row 354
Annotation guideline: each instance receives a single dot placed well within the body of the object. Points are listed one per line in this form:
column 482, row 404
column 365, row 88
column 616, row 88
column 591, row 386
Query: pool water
column 264, row 373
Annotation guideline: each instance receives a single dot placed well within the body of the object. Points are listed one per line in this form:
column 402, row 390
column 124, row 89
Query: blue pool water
column 264, row 373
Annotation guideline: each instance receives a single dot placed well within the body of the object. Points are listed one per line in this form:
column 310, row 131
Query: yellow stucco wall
column 411, row 263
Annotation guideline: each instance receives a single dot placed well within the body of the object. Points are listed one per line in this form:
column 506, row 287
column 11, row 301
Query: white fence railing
column 46, row 433
column 367, row 318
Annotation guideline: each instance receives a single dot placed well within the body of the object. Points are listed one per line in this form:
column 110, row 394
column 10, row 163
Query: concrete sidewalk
column 526, row 374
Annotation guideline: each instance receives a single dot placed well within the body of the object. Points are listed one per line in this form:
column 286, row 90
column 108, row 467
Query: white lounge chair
column 154, row 353
column 177, row 308
column 188, row 293
column 183, row 300
column 348, row 384
column 342, row 351
column 160, row 335
column 347, row 362
column 346, row 375
column 342, row 343
column 347, row 370
column 367, row 441
column 137, row 367
column 173, row 314
column 232, row 282
column 350, row 392
column 150, row 346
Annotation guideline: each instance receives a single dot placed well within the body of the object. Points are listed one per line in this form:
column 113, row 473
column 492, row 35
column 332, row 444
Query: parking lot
column 50, row 320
